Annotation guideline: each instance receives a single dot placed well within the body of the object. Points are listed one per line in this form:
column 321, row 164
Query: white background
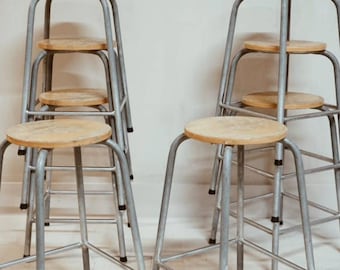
column 173, row 54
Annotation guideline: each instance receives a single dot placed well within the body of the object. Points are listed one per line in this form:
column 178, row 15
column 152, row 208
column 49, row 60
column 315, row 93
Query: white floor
column 181, row 235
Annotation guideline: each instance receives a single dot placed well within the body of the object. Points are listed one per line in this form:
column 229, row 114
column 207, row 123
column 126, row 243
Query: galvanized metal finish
column 37, row 195
column 118, row 114
column 225, row 106
column 223, row 211
column 114, row 68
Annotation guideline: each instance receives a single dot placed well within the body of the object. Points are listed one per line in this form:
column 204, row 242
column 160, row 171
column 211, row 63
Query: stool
column 232, row 131
column 67, row 98
column 116, row 71
column 284, row 47
column 292, row 100
column 46, row 135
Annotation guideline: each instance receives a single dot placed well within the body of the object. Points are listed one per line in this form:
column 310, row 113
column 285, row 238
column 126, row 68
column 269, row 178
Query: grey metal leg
column 282, row 86
column 3, row 146
column 240, row 206
column 40, row 212
column 29, row 220
column 121, row 62
column 228, row 50
column 303, row 204
column 225, row 205
column 82, row 208
column 165, row 200
column 31, row 157
column 131, row 211
column 27, row 85
column 216, row 215
column 337, row 5
column 216, row 172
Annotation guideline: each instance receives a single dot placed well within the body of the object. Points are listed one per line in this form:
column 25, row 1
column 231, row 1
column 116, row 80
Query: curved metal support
column 121, row 62
column 3, row 147
column 228, row 50
column 303, row 203
column 28, row 58
column 165, row 200
column 39, row 209
column 129, row 203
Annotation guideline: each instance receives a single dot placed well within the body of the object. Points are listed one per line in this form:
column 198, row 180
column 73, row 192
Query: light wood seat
column 293, row 100
column 74, row 97
column 58, row 133
column 293, row 46
column 72, row 44
column 235, row 130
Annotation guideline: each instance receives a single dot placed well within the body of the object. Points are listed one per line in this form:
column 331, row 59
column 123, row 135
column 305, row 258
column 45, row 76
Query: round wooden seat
column 58, row 133
column 293, row 100
column 72, row 44
column 293, row 46
column 73, row 97
column 235, row 130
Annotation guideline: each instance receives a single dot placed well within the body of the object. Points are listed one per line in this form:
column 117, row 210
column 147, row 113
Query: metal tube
column 225, row 209
column 82, row 208
column 240, row 206
column 303, row 204
column 165, row 200
column 131, row 211
column 121, row 62
column 227, row 54
column 40, row 212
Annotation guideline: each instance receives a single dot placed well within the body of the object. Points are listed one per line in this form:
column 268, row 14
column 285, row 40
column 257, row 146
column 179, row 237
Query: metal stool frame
column 228, row 107
column 32, row 114
column 160, row 261
column 281, row 112
column 117, row 73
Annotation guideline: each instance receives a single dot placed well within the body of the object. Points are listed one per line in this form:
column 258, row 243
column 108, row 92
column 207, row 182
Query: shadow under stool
column 44, row 136
column 238, row 132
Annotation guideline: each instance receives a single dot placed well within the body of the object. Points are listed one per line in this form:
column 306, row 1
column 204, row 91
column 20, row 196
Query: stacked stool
column 231, row 131
column 282, row 100
column 117, row 95
column 46, row 135
column 111, row 104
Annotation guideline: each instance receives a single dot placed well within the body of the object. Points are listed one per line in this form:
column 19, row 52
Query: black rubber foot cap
column 130, row 129
column 281, row 222
column 25, row 256
column 123, row 259
column 131, row 177
column 212, row 192
column 122, row 207
column 23, row 206
column 21, row 152
column 129, row 225
column 47, row 224
column 212, row 241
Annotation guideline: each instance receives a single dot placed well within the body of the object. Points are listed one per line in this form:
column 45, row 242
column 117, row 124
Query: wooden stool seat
column 73, row 97
column 293, row 100
column 293, row 46
column 72, row 44
column 235, row 130
column 58, row 133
